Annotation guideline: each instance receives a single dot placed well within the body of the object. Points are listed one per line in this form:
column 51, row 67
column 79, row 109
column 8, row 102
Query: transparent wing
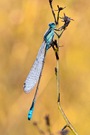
column 35, row 71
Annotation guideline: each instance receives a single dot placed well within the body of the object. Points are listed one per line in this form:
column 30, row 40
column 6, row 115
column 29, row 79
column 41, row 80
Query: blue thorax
column 49, row 35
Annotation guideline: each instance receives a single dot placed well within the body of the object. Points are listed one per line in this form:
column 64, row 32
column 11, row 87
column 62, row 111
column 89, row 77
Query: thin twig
column 56, row 17
column 58, row 88
column 66, row 21
column 50, row 2
column 59, row 100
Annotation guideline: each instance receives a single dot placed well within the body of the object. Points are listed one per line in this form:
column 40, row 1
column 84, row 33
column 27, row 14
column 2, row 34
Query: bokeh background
column 22, row 25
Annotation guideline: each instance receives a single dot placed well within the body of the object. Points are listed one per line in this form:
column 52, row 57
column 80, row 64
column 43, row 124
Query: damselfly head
column 52, row 25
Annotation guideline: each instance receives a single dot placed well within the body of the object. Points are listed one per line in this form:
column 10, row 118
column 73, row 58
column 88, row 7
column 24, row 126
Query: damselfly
column 36, row 70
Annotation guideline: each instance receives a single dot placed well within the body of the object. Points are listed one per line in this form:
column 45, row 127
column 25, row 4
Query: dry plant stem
column 68, row 124
column 66, row 21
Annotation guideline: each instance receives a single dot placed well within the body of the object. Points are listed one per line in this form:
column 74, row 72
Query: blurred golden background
column 22, row 26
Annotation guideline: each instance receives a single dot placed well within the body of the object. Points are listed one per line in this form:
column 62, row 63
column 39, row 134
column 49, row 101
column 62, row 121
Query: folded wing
column 36, row 69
